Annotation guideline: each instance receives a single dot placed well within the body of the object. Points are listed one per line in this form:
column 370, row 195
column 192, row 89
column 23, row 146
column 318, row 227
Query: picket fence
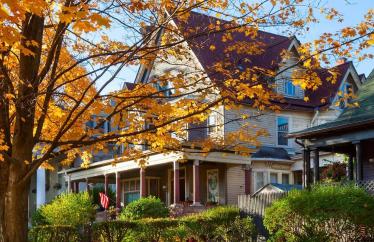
column 255, row 205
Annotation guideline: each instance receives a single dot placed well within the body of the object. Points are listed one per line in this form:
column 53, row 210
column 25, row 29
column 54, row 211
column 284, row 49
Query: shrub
column 73, row 209
column 38, row 219
column 96, row 197
column 326, row 213
column 56, row 233
column 156, row 229
column 241, row 229
column 113, row 231
column 149, row 207
column 203, row 226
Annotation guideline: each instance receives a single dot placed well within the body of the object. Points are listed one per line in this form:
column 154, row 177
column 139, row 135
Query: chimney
column 341, row 60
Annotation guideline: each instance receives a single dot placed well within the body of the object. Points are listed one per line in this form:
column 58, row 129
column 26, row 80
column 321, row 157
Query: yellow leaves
column 306, row 99
column 212, row 47
column 371, row 39
column 86, row 157
column 47, row 166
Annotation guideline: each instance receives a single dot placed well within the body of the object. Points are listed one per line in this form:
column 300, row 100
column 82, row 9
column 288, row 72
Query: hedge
column 55, row 233
column 216, row 224
column 326, row 213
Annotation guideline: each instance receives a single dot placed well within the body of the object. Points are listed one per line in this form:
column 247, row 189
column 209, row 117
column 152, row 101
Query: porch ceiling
column 106, row 167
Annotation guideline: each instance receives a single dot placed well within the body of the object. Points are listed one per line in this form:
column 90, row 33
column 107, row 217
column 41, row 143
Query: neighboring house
column 352, row 133
column 277, row 187
column 220, row 177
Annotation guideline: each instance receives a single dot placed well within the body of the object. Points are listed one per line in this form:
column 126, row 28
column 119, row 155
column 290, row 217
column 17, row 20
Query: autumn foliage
column 58, row 59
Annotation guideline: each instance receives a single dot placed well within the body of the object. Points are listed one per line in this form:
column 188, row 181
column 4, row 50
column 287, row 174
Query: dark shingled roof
column 270, row 59
column 350, row 117
column 271, row 153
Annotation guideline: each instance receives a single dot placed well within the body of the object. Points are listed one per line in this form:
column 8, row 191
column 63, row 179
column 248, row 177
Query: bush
column 38, row 219
column 326, row 213
column 217, row 224
column 113, row 231
column 241, row 229
column 96, row 197
column 149, row 207
column 56, row 233
column 203, row 226
column 156, row 229
column 73, row 209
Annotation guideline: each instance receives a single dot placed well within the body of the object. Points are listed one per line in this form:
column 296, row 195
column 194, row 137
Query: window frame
column 289, row 118
column 286, row 88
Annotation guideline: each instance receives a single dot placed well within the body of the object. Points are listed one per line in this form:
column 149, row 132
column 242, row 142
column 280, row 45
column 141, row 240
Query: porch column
column 307, row 168
column 143, row 183
column 87, row 186
column 316, row 166
column 40, row 187
column 106, row 184
column 247, row 179
column 118, row 190
column 350, row 167
column 176, row 182
column 196, row 183
column 358, row 146
column 68, row 180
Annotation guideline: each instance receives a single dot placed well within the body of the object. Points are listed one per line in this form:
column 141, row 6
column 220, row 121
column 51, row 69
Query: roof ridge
column 226, row 21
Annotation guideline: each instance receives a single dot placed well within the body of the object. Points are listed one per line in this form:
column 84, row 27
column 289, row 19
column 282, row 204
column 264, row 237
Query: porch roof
column 153, row 159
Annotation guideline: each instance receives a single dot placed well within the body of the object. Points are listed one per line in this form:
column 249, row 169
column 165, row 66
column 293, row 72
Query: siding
column 298, row 121
column 235, row 183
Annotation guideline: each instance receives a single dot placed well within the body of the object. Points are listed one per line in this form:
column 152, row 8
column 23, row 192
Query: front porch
column 193, row 181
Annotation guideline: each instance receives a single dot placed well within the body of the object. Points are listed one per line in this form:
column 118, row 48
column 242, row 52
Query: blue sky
column 352, row 10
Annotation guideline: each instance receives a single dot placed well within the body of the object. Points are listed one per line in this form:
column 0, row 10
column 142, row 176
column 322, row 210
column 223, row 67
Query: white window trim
column 289, row 130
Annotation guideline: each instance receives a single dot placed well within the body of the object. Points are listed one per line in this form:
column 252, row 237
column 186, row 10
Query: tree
column 58, row 57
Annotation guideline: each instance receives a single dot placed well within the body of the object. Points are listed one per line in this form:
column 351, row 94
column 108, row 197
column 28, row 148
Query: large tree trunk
column 16, row 212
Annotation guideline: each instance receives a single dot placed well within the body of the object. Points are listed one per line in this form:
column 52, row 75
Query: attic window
column 289, row 88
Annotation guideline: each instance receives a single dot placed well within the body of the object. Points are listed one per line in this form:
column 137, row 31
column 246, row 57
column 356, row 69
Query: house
column 352, row 133
column 277, row 187
column 220, row 176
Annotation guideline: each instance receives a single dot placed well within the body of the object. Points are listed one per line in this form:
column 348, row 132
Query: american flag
column 104, row 200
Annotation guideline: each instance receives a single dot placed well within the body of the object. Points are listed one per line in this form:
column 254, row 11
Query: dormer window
column 289, row 88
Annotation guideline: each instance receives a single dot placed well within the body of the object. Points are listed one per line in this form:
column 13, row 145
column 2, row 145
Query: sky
column 352, row 10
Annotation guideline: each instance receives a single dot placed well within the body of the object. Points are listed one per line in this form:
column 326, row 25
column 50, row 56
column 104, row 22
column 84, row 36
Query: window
column 345, row 89
column 212, row 124
column 282, row 130
column 145, row 75
column 285, row 179
column 273, row 177
column 167, row 89
column 289, row 88
column 260, row 180
column 131, row 190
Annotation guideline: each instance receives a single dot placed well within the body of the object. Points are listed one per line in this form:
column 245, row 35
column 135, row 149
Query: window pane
column 260, row 181
column 289, row 88
column 282, row 128
column 285, row 179
column 273, row 177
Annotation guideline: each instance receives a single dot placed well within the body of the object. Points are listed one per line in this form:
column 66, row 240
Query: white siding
column 235, row 183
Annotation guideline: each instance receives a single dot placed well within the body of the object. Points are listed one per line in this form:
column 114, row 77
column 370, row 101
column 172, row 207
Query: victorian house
column 220, row 177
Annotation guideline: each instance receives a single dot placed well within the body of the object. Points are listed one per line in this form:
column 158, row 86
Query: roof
column 269, row 59
column 271, row 153
column 129, row 85
column 362, row 115
column 280, row 187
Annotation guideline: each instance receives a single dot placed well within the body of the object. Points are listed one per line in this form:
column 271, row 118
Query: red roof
column 273, row 45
